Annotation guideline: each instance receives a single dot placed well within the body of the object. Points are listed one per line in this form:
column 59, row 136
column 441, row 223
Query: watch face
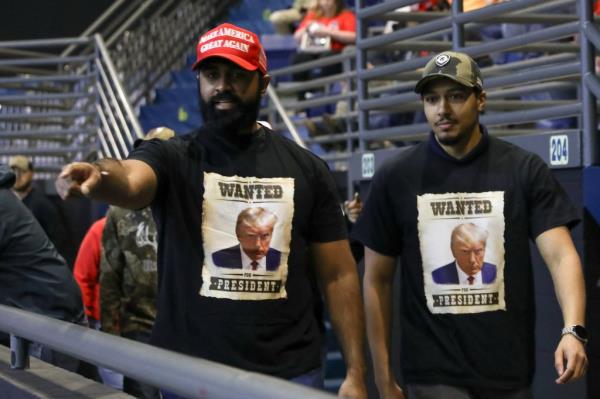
column 581, row 332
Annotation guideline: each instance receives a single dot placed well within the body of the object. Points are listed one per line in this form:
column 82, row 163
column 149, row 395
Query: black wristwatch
column 577, row 331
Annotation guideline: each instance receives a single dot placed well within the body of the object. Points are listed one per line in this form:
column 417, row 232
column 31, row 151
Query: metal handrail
column 65, row 100
column 590, row 83
column 114, row 79
column 96, row 24
column 181, row 374
column 498, row 80
column 139, row 11
column 286, row 120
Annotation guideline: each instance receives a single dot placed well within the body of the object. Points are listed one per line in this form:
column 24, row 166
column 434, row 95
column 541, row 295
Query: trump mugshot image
column 467, row 243
column 254, row 231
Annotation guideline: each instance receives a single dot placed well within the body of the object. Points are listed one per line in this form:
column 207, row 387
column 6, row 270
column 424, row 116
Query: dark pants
column 314, row 379
column 64, row 361
column 134, row 387
column 418, row 391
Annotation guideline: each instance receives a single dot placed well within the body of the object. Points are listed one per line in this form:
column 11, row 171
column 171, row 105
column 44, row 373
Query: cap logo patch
column 442, row 60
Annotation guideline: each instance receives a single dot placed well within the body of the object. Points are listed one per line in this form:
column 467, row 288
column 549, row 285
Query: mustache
column 444, row 120
column 230, row 97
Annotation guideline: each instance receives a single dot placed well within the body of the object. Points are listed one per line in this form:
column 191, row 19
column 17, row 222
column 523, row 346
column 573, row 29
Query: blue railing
column 183, row 375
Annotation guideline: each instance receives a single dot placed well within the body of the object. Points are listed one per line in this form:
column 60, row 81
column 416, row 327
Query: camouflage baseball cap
column 20, row 162
column 452, row 65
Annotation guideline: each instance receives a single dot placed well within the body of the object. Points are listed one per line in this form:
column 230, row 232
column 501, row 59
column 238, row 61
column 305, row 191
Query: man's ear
column 265, row 83
column 481, row 101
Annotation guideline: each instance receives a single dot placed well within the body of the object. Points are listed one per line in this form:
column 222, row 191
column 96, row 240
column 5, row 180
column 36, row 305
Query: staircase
column 69, row 99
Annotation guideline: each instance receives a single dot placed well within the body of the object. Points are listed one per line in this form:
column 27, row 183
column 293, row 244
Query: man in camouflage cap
column 472, row 339
column 458, row 67
column 128, row 275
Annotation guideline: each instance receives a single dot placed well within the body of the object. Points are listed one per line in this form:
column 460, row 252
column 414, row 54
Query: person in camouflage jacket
column 128, row 271
column 128, row 276
column 128, row 281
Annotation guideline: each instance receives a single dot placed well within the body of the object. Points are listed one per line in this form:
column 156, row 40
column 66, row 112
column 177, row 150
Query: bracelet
column 98, row 165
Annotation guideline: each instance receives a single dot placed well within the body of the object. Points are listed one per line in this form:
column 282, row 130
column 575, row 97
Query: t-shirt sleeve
column 348, row 21
column 376, row 226
column 327, row 219
column 157, row 154
column 549, row 204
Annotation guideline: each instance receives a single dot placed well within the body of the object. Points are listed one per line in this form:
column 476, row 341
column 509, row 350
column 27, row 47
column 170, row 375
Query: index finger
column 566, row 376
column 77, row 179
column 568, row 372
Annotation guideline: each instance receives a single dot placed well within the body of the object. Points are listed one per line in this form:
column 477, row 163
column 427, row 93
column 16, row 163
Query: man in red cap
column 256, row 319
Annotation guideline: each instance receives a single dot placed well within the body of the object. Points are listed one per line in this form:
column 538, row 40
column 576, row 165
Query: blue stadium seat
column 187, row 95
column 179, row 117
column 279, row 49
column 183, row 77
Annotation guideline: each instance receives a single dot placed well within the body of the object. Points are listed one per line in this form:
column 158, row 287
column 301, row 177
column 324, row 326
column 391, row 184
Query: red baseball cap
column 236, row 44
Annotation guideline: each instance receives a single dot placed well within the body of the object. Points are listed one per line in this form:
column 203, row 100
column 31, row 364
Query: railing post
column 114, row 76
column 458, row 31
column 347, row 67
column 589, row 136
column 361, row 85
column 19, row 353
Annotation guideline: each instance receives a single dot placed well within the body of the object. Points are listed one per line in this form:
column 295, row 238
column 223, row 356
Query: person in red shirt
column 86, row 271
column 329, row 19
column 325, row 30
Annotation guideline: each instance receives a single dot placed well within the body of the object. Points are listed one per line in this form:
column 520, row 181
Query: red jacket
column 87, row 267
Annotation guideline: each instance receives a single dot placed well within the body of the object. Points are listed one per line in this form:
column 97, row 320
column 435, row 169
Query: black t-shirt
column 453, row 332
column 215, row 306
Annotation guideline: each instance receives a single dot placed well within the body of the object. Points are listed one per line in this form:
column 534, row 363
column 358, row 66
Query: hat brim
column 423, row 82
column 231, row 57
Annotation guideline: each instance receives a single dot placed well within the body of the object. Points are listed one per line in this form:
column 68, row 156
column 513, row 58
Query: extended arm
column 342, row 36
column 337, row 274
column 130, row 184
column 558, row 251
column 377, row 287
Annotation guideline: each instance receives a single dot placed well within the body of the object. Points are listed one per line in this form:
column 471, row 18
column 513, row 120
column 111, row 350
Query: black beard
column 230, row 123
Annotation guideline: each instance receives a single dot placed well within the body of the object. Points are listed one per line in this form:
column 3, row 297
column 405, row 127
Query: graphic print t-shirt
column 229, row 270
column 475, row 222
column 453, row 332
column 208, row 306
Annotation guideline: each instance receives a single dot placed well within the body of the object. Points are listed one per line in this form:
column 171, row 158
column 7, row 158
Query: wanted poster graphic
column 246, row 230
column 461, row 238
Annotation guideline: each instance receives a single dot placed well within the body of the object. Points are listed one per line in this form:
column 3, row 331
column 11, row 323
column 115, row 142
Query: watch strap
column 572, row 330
